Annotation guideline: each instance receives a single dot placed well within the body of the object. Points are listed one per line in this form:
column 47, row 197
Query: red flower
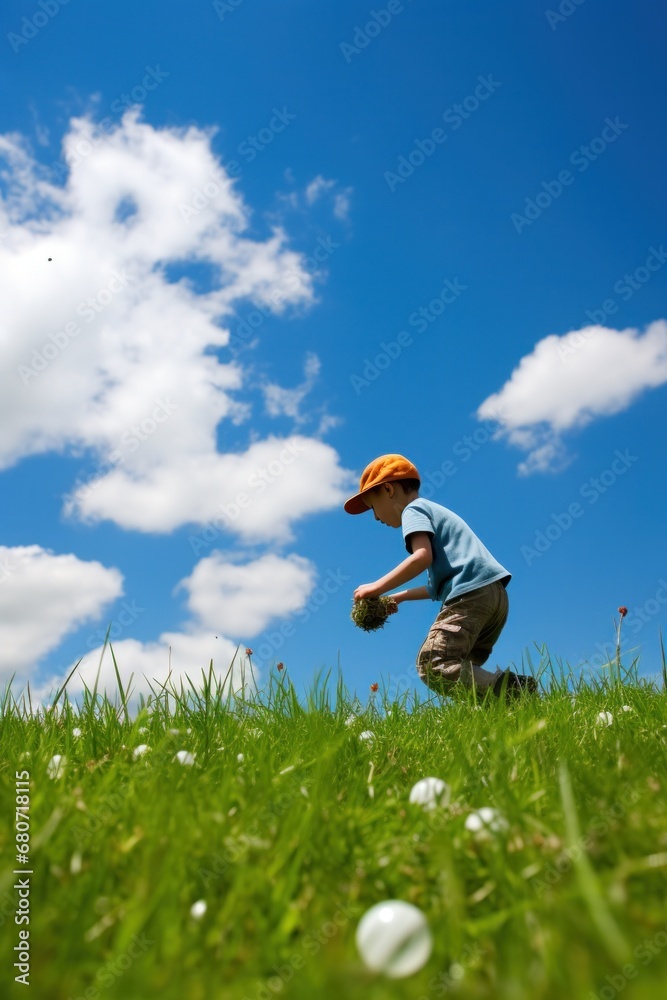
column 622, row 611
column 374, row 687
column 280, row 665
column 248, row 651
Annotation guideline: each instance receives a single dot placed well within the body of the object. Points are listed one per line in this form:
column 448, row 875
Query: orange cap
column 380, row 470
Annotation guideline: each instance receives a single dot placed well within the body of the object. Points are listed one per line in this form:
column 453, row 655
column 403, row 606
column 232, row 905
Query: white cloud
column 43, row 596
column 280, row 401
column 274, row 483
column 568, row 381
column 131, row 381
column 144, row 667
column 242, row 599
column 317, row 187
column 320, row 185
column 225, row 599
column 342, row 204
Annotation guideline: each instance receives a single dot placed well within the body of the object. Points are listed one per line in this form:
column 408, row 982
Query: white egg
column 198, row 909
column 430, row 792
column 76, row 731
column 140, row 750
column 366, row 735
column 240, row 757
column 185, row 757
column 394, row 938
column 56, row 766
column 604, row 719
column 486, row 820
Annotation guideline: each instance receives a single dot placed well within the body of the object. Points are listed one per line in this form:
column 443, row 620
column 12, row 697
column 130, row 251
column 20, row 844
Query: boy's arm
column 415, row 594
column 421, row 559
column 407, row 570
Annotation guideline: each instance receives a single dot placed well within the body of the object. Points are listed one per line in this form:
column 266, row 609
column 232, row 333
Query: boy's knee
column 440, row 675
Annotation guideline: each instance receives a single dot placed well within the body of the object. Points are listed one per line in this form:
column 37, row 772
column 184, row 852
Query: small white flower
column 185, row 757
column 429, row 792
column 56, row 766
column 486, row 820
column 143, row 729
column 394, row 938
column 240, row 757
column 75, row 863
column 351, row 719
column 626, row 708
column 174, row 732
column 76, row 731
column 366, row 735
column 604, row 719
column 198, row 909
column 140, row 750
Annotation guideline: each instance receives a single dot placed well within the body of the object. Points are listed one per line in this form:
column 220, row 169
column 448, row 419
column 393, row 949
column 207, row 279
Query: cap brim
column 356, row 505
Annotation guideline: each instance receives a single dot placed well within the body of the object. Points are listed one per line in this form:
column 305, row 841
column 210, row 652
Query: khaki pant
column 461, row 638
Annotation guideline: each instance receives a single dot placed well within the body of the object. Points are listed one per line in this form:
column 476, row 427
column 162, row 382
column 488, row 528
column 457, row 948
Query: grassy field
column 289, row 827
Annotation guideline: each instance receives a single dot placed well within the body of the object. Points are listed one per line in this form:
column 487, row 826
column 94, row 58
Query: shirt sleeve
column 416, row 519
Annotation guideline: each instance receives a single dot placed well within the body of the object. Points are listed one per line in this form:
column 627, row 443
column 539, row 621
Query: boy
column 462, row 575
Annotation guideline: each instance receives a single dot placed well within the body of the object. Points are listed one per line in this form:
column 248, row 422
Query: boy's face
column 387, row 504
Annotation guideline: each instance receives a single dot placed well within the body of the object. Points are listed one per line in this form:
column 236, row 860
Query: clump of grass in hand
column 370, row 613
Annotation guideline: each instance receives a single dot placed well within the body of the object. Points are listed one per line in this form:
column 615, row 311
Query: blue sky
column 516, row 153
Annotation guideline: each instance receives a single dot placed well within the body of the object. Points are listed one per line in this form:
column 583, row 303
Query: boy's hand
column 366, row 590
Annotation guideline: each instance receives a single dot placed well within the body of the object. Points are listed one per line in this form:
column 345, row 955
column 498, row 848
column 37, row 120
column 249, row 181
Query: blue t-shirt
column 460, row 561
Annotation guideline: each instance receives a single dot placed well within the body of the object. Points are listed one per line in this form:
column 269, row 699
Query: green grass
column 291, row 845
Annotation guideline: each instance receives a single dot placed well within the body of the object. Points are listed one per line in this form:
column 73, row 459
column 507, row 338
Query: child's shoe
column 515, row 684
